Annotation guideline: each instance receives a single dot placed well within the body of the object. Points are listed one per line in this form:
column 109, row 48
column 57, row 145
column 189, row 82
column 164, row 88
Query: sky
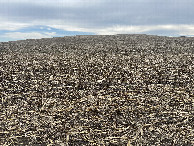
column 34, row 19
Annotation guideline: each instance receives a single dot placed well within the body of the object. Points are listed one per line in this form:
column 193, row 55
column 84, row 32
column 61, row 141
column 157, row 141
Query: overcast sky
column 23, row 19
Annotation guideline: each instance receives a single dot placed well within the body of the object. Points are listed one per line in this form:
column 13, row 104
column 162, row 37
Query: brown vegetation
column 97, row 90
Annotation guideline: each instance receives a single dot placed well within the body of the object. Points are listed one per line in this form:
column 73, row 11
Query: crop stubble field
column 97, row 90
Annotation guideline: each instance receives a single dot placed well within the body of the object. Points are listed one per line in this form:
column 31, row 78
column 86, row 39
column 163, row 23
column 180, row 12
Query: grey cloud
column 105, row 13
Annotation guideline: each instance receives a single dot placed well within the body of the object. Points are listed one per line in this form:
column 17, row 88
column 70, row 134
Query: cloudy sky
column 25, row 19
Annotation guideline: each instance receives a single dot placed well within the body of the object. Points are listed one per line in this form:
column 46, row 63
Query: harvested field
column 97, row 90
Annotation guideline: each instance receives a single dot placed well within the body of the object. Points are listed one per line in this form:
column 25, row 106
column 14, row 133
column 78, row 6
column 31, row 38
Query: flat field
column 97, row 90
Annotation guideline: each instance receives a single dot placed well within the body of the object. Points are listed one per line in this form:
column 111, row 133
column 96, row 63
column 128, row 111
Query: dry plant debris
column 97, row 90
